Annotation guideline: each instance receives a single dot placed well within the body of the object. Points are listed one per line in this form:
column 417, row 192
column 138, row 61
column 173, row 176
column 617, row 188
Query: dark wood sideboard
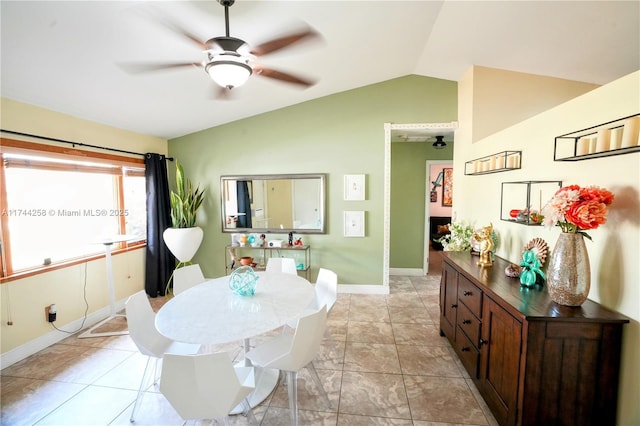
column 534, row 362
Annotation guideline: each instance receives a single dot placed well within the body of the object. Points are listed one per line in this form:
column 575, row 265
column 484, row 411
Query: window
column 57, row 204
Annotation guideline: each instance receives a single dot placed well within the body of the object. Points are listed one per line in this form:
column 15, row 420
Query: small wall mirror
column 273, row 203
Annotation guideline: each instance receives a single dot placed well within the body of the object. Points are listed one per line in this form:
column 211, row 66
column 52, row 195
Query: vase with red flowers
column 575, row 210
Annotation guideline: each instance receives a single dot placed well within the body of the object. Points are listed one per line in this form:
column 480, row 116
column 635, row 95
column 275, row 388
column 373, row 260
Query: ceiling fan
column 230, row 61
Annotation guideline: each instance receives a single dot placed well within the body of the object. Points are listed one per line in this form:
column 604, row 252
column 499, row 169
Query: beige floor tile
column 374, row 395
column 443, row 399
column 372, row 357
column 370, row 332
column 25, row 401
column 94, row 405
column 351, row 420
column 427, row 361
column 373, row 313
column 418, row 334
column 409, row 315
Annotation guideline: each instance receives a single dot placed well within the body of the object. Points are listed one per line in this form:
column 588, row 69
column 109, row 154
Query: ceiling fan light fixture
column 439, row 143
column 229, row 71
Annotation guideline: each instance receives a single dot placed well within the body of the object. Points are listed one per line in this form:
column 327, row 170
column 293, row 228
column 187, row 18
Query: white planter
column 183, row 242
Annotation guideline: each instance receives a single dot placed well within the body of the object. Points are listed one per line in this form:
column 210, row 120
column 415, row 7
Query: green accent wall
column 337, row 135
column 408, row 189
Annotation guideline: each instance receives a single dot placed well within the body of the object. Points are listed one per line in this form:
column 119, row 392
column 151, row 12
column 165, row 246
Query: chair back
column 326, row 289
column 186, row 277
column 284, row 265
column 142, row 328
column 307, row 339
column 204, row 386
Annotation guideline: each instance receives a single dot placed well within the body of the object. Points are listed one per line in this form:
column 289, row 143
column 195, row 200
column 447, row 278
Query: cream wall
column 503, row 98
column 25, row 299
column 615, row 249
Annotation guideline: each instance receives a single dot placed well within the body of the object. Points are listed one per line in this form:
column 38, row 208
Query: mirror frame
column 322, row 207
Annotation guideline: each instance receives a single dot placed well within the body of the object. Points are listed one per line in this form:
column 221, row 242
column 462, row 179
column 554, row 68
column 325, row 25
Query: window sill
column 67, row 263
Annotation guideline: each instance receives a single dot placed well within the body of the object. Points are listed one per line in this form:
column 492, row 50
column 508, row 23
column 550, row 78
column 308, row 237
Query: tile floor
column 386, row 364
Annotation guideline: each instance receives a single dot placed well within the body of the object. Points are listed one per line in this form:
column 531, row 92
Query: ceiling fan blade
column 137, row 68
column 164, row 20
column 282, row 42
column 282, row 76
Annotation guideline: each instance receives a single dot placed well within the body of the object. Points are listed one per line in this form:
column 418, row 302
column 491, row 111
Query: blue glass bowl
column 243, row 281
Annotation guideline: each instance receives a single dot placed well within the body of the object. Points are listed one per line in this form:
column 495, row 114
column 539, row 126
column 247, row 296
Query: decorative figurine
column 290, row 239
column 263, row 240
column 486, row 246
column 531, row 273
column 298, row 242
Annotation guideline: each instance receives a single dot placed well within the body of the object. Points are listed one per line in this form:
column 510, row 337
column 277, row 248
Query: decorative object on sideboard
column 575, row 210
column 539, row 247
column 458, row 238
column 616, row 137
column 494, row 163
column 485, row 246
column 531, row 274
column 512, row 270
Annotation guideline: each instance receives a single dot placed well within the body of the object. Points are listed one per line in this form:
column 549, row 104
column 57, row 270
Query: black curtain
column 160, row 262
column 244, row 204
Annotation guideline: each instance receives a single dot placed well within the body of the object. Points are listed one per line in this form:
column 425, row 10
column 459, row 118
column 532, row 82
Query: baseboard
column 413, row 272
column 36, row 345
column 363, row 289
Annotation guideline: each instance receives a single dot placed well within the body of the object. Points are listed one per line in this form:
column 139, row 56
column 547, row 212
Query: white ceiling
column 64, row 56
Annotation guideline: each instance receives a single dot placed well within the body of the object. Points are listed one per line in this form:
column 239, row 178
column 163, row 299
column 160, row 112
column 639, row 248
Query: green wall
column 337, row 135
column 408, row 189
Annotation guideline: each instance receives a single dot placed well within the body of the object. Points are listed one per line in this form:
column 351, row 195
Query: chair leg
column 248, row 412
column 293, row 396
column 142, row 382
column 316, row 378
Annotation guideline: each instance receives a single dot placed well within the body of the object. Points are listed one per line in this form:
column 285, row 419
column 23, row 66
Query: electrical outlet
column 51, row 313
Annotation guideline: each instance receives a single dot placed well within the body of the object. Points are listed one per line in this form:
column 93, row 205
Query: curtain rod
column 75, row 143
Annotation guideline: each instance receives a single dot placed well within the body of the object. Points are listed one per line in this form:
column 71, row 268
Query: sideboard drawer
column 468, row 323
column 470, row 295
column 468, row 353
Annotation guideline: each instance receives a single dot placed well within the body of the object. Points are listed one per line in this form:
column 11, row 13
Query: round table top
column 211, row 313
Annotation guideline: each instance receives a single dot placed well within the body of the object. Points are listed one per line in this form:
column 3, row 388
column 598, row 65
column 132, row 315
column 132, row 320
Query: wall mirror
column 273, row 203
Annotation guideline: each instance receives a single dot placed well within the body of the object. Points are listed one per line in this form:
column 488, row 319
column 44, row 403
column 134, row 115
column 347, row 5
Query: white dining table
column 211, row 313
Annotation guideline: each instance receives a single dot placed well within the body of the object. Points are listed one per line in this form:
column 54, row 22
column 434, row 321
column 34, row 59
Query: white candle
column 583, row 146
column 511, row 162
column 602, row 140
column 500, row 161
column 630, row 132
column 592, row 145
column 615, row 140
column 492, row 163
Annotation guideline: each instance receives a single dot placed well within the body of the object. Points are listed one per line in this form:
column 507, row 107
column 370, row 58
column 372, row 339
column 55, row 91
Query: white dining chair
column 326, row 293
column 292, row 352
column 187, row 277
column 206, row 386
column 143, row 332
column 285, row 265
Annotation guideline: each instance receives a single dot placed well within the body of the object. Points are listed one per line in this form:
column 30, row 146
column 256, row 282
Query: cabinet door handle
column 465, row 349
column 483, row 342
column 453, row 305
column 464, row 321
column 466, row 293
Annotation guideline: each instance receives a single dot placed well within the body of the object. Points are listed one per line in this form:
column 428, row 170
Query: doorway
column 434, row 170
column 391, row 132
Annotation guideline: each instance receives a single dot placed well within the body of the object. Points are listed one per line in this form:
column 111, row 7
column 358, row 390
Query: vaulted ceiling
column 67, row 56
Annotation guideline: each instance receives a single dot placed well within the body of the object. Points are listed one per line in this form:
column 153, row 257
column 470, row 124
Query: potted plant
column 184, row 238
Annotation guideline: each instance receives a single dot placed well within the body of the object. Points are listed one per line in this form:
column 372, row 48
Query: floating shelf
column 494, row 163
column 604, row 140
column 521, row 202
